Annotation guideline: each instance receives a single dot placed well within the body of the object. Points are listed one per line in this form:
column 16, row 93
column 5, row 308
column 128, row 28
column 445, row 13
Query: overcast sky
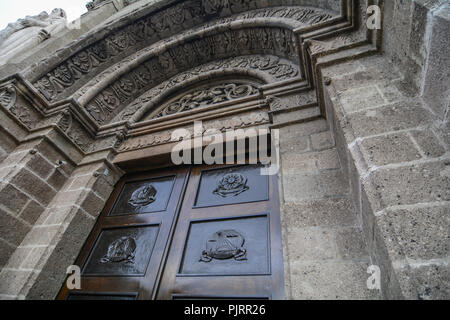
column 11, row 10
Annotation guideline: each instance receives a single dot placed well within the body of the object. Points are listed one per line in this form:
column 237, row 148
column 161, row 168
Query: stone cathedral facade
column 357, row 114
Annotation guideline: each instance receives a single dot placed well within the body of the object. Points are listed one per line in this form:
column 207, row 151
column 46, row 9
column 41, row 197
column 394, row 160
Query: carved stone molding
column 143, row 32
column 223, row 125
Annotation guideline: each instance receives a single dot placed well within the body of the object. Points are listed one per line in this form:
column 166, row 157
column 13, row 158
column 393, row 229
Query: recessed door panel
column 232, row 185
column 122, row 252
column 144, row 196
column 234, row 246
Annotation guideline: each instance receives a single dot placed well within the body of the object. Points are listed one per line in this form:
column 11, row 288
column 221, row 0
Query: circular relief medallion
column 122, row 249
column 225, row 244
column 143, row 197
column 231, row 184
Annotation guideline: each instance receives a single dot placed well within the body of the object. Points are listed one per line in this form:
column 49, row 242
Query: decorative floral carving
column 208, row 96
column 225, row 244
column 7, row 96
column 66, row 121
column 232, row 184
column 170, row 21
column 273, row 67
column 121, row 250
column 143, row 197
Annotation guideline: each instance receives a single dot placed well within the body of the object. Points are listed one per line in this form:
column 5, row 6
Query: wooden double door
column 203, row 232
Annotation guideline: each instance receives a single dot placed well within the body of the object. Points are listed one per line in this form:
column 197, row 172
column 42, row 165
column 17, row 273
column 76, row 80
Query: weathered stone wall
column 325, row 252
column 397, row 165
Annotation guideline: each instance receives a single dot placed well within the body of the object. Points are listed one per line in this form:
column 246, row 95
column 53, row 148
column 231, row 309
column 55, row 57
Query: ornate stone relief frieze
column 208, row 96
column 160, row 25
column 124, row 90
column 106, row 107
column 222, row 125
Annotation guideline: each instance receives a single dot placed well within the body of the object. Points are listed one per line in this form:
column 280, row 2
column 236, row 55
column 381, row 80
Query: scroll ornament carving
column 7, row 96
column 121, row 250
column 208, row 96
column 225, row 244
column 147, row 30
column 232, row 184
column 143, row 196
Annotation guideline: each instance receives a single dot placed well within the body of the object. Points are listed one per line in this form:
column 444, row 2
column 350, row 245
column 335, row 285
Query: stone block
column 330, row 281
column 323, row 212
column 6, row 251
column 307, row 186
column 322, row 160
column 34, row 186
column 322, row 141
column 350, row 244
column 18, row 257
column 392, row 148
column 360, row 99
column 428, row 142
column 31, row 212
column 40, row 166
column 57, row 179
column 12, row 198
column 399, row 116
column 418, row 234
column 12, row 229
column 308, row 244
column 11, row 280
column 413, row 184
column 428, row 282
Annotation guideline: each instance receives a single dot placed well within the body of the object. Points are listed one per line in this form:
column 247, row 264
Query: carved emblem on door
column 143, row 197
column 225, row 244
column 122, row 249
column 231, row 184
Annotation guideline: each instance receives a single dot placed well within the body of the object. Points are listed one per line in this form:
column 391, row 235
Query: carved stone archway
column 109, row 101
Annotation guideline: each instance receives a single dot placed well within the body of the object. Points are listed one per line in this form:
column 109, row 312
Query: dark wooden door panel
column 129, row 241
column 206, row 232
column 226, row 248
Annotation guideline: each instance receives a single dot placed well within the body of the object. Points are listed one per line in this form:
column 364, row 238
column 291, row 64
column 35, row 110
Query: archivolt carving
column 208, row 96
column 157, row 69
column 150, row 29
column 107, row 107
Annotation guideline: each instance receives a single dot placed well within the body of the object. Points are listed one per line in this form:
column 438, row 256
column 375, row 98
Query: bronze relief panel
column 122, row 252
column 234, row 246
column 232, row 185
column 143, row 197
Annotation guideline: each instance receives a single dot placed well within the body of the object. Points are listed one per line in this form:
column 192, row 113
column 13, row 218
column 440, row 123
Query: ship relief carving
column 231, row 184
column 142, row 197
column 223, row 245
column 121, row 250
